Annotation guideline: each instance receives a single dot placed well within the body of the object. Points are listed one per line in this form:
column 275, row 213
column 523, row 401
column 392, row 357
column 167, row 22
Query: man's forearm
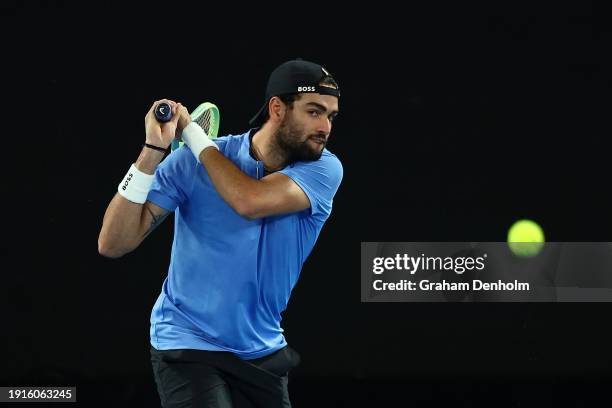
column 122, row 219
column 148, row 160
column 237, row 188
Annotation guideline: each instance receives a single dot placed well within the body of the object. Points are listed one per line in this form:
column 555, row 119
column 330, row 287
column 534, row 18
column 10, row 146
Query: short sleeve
column 319, row 179
column 174, row 179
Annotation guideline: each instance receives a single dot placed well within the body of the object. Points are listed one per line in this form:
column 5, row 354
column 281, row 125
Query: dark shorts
column 197, row 378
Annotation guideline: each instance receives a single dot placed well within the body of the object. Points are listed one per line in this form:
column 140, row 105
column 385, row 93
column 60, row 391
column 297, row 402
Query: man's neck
column 265, row 149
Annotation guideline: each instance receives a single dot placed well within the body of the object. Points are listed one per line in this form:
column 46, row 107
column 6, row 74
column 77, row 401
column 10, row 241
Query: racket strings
column 207, row 119
column 204, row 121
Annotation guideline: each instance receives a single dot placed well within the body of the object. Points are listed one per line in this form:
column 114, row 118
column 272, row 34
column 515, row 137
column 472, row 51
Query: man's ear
column 276, row 109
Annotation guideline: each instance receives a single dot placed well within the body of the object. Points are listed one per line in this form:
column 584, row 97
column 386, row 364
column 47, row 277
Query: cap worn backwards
column 296, row 76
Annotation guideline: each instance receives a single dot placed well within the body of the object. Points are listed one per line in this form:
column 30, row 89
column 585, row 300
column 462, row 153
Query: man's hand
column 183, row 119
column 162, row 134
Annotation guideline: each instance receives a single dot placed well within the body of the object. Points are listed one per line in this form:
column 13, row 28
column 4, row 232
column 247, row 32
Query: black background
column 455, row 121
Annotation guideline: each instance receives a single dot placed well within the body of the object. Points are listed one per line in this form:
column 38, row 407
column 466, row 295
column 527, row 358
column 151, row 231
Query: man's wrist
column 148, row 160
column 155, row 147
column 184, row 123
column 196, row 139
column 136, row 185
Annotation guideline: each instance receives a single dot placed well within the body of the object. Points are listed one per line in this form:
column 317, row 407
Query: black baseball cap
column 295, row 76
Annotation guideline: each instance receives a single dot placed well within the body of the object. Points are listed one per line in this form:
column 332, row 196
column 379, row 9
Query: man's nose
column 324, row 126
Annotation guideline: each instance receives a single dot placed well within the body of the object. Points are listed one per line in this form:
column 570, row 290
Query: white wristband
column 135, row 185
column 197, row 140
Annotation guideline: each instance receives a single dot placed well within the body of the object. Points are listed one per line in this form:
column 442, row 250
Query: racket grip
column 163, row 112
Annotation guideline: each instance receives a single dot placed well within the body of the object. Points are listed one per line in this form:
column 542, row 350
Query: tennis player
column 248, row 210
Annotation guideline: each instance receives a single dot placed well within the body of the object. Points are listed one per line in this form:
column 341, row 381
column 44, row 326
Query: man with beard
column 248, row 211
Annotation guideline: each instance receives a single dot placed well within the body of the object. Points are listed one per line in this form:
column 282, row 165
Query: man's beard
column 290, row 140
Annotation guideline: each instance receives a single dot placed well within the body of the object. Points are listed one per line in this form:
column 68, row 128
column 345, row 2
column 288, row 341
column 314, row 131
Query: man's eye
column 313, row 113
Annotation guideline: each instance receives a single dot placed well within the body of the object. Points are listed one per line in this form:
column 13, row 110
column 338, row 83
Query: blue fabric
column 230, row 278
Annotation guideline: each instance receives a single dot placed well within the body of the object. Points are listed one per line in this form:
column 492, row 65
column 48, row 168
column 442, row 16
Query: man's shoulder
column 327, row 159
column 327, row 155
column 230, row 139
column 230, row 144
column 327, row 169
column 180, row 156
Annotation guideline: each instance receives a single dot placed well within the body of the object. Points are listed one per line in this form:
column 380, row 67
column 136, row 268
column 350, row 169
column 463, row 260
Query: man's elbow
column 248, row 213
column 109, row 251
column 247, row 208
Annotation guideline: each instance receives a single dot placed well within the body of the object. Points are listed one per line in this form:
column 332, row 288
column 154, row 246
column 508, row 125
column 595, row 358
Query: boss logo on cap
column 306, row 88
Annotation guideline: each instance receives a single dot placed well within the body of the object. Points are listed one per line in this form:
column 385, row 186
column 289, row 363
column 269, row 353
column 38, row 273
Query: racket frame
column 215, row 118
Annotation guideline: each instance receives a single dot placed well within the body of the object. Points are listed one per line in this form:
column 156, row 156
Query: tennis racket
column 208, row 117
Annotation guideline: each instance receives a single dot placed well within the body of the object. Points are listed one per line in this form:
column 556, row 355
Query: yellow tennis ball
column 525, row 238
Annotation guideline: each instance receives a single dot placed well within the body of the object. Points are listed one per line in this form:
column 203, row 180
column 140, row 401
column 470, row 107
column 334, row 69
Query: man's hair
column 289, row 99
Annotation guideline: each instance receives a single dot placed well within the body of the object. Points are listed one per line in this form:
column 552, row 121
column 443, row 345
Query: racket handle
column 163, row 112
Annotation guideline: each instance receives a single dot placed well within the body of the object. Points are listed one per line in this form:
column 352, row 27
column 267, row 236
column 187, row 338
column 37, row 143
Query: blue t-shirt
column 230, row 278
